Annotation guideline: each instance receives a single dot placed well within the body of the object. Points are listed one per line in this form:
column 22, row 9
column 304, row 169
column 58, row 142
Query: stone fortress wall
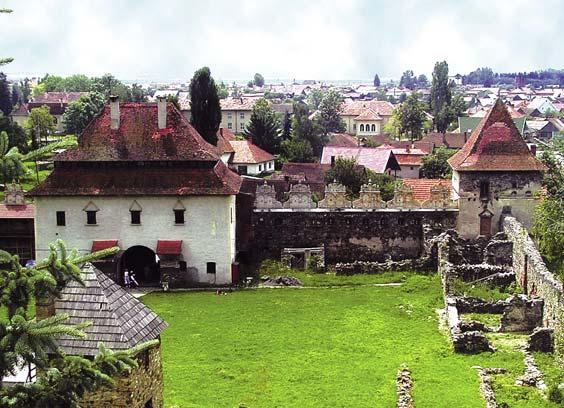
column 366, row 229
column 536, row 280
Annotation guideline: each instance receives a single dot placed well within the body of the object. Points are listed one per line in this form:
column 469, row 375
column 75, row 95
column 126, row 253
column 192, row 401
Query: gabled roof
column 495, row 145
column 246, row 152
column 57, row 97
column 448, row 140
column 309, row 172
column 368, row 114
column 378, row 160
column 139, row 138
column 342, row 139
column 118, row 319
column 468, row 124
column 355, row 108
column 224, row 136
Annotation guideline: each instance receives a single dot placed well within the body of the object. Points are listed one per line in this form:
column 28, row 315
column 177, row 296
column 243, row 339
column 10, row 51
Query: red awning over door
column 104, row 244
column 170, row 247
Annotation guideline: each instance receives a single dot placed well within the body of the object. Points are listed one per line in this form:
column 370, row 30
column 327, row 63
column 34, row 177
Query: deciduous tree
column 408, row 80
column 411, row 116
column 40, row 124
column 303, row 128
column 376, row 80
column 441, row 97
column 80, row 112
column 204, row 103
column 258, row 80
column 328, row 118
column 435, row 165
column 297, row 151
column 5, row 96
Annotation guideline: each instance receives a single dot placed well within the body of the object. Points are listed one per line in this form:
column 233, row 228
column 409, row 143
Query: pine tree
column 63, row 379
column 287, row 126
column 5, row 96
column 263, row 128
column 204, row 105
column 376, row 80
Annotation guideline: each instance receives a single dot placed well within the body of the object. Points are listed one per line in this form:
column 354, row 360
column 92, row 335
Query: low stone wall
column 536, row 280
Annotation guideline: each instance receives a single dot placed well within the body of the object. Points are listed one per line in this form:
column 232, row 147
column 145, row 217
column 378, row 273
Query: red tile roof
column 422, row 187
column 17, row 211
column 223, row 137
column 171, row 247
column 408, row 159
column 310, row 172
column 138, row 137
column 448, row 140
column 56, row 101
column 355, row 108
column 249, row 153
column 368, row 114
column 103, row 244
column 378, row 160
column 342, row 139
column 495, row 145
column 237, row 104
column 114, row 181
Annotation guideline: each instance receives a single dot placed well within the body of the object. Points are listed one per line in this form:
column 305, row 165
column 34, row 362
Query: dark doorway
column 141, row 261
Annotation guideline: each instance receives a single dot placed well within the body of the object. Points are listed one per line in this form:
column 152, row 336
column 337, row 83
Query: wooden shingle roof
column 118, row 319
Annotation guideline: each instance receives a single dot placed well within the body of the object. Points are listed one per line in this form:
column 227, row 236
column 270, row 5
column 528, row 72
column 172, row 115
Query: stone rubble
column 541, row 339
column 403, row 387
column 533, row 377
column 486, row 389
column 282, row 281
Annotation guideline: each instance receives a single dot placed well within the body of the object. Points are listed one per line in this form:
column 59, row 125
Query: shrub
column 556, row 393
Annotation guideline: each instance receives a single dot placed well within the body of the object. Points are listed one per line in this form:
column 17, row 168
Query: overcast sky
column 332, row 39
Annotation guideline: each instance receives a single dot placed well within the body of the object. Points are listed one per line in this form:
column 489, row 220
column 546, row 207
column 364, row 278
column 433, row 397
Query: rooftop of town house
column 368, row 114
column 495, row 145
column 246, row 152
column 448, row 140
column 355, row 108
column 378, row 160
column 422, row 187
column 224, row 136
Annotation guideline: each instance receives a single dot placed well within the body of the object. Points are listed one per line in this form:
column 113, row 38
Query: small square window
column 210, row 268
column 91, row 217
column 135, row 217
column 260, row 167
column 242, row 115
column 229, row 115
column 61, row 219
column 179, row 216
column 230, row 125
column 242, row 126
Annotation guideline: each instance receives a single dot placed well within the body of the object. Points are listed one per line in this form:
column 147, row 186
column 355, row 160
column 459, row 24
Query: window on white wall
column 135, row 213
column 179, row 211
column 362, row 128
column 91, row 209
column 61, row 219
column 230, row 125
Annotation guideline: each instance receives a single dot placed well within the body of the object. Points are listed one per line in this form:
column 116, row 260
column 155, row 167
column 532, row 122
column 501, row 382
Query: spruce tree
column 204, row 105
column 63, row 379
column 5, row 96
column 264, row 128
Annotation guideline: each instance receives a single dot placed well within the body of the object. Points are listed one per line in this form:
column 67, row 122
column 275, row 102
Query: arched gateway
column 141, row 261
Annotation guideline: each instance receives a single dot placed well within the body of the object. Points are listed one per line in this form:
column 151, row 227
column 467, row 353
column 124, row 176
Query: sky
column 286, row 39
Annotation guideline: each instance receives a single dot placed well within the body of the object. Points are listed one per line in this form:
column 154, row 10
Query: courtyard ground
column 323, row 347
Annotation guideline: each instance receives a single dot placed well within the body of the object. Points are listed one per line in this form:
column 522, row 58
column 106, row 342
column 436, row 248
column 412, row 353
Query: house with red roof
column 366, row 118
column 250, row 159
column 409, row 159
column 382, row 161
column 17, row 224
column 57, row 103
column 494, row 173
column 143, row 179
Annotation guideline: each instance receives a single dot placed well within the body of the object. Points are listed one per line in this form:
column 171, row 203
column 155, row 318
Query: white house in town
column 143, row 179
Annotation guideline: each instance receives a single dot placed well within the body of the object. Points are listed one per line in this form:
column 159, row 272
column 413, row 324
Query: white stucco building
column 143, row 179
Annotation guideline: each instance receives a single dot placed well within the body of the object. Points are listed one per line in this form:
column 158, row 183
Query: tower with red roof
column 493, row 173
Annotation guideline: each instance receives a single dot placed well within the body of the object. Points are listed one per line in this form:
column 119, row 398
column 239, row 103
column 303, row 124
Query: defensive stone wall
column 366, row 229
column 536, row 280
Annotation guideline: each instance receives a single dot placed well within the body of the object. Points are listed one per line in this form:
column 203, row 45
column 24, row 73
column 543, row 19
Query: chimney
column 161, row 112
column 465, row 136
column 114, row 112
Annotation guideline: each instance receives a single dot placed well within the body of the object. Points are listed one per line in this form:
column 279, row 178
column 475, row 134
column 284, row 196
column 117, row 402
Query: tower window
column 179, row 216
column 210, row 268
column 91, row 217
column 61, row 219
column 135, row 217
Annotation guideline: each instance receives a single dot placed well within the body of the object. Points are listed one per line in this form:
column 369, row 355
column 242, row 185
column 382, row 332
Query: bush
column 556, row 393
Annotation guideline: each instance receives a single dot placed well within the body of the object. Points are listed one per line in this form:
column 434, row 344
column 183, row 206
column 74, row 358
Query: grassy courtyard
column 321, row 347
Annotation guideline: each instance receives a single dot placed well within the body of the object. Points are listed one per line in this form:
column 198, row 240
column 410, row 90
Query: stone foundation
column 143, row 385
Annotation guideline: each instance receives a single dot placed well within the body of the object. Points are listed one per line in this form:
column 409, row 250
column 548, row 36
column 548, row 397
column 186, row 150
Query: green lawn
column 321, row 347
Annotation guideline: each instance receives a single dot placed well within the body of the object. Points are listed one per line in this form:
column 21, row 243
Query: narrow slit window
column 91, row 218
column 179, row 216
column 135, row 217
column 61, row 219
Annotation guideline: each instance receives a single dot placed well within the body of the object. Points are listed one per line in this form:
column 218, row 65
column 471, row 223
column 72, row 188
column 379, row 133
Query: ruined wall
column 144, row 384
column 536, row 279
column 347, row 235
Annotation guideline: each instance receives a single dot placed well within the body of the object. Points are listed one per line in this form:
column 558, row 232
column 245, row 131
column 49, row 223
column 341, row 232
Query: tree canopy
column 39, row 125
column 411, row 116
column 204, row 105
column 303, row 128
column 435, row 164
column 328, row 117
column 80, row 112
column 258, row 80
column 5, row 96
column 376, row 81
column 263, row 128
column 441, row 97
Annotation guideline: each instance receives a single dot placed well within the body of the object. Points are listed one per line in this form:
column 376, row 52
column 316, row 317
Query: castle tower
column 494, row 172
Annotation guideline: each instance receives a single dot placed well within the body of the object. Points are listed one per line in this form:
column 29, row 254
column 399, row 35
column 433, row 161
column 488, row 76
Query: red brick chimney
column 114, row 112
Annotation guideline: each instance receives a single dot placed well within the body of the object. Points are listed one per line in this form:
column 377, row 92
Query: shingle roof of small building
column 422, row 187
column 495, row 145
column 118, row 319
column 247, row 152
